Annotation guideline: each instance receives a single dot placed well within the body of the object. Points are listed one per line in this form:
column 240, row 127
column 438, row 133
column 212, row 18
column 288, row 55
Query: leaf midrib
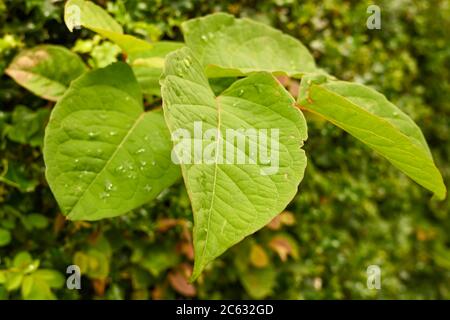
column 219, row 120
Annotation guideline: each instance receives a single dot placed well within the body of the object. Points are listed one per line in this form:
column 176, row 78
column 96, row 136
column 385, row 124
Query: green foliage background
column 353, row 208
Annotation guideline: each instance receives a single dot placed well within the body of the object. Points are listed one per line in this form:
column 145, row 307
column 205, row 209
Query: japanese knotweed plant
column 106, row 155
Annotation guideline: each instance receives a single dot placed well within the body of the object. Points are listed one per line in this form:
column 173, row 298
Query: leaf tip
column 198, row 269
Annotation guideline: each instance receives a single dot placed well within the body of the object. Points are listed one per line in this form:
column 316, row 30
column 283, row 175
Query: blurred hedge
column 353, row 208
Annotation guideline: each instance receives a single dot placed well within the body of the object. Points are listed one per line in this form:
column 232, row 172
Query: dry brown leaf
column 285, row 218
column 165, row 224
column 99, row 286
column 186, row 248
column 179, row 282
column 275, row 223
column 281, row 246
column 158, row 292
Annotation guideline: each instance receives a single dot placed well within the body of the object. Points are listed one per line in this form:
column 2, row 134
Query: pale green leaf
column 5, row 237
column 231, row 201
column 36, row 289
column 53, row 278
column 371, row 118
column 258, row 283
column 27, row 284
column 81, row 13
column 46, row 70
column 228, row 46
column 13, row 280
column 146, row 59
column 147, row 65
column 105, row 155
column 22, row 260
column 28, row 126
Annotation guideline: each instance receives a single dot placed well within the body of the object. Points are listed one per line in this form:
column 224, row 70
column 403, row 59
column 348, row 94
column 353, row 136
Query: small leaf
column 285, row 218
column 3, row 274
column 228, row 207
column 16, row 175
column 284, row 246
column 179, row 282
column 5, row 237
column 27, row 285
column 158, row 260
column 93, row 263
column 37, row 221
column 22, row 260
column 258, row 283
column 258, row 256
column 46, row 70
column 227, row 46
column 36, row 289
column 371, row 118
column 105, row 155
column 13, row 280
column 27, row 126
column 52, row 278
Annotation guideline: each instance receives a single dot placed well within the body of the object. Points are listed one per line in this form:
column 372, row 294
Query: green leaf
column 15, row 174
column 5, row 237
column 232, row 201
column 105, row 155
column 13, row 280
column 34, row 288
column 22, row 260
column 147, row 65
column 79, row 13
column 227, row 46
column 371, row 118
column 52, row 278
column 27, row 285
column 93, row 263
column 46, row 70
column 158, row 260
column 258, row 283
column 36, row 220
column 28, row 126
column 146, row 59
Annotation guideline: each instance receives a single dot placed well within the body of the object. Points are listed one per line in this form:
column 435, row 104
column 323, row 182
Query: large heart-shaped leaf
column 232, row 199
column 46, row 70
column 104, row 154
column 227, row 46
column 371, row 118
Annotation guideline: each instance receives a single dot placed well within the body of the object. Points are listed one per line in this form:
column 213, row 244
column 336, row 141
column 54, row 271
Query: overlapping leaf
column 46, row 70
column 146, row 59
column 231, row 200
column 371, row 118
column 227, row 46
column 81, row 13
column 147, row 65
column 104, row 154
